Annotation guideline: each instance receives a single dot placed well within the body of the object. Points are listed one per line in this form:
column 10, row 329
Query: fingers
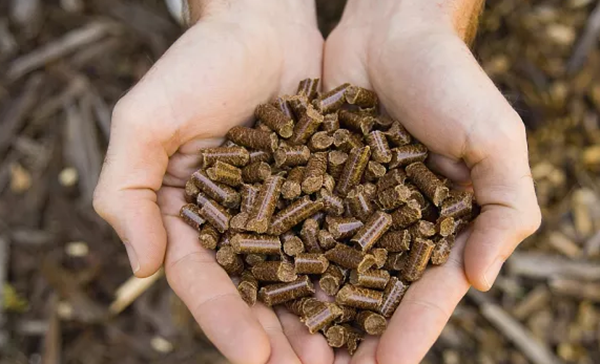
column 455, row 169
column 207, row 290
column 281, row 350
column 366, row 353
column 424, row 311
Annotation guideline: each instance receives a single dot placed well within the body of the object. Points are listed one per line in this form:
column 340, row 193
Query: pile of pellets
column 325, row 192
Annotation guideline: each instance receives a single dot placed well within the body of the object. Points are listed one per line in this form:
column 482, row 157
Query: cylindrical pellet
column 331, row 101
column 354, row 338
column 274, row 271
column 322, row 317
column 308, row 87
column 236, row 156
column 350, row 258
column 260, row 156
column 292, row 245
column 238, row 222
column 282, row 104
column 275, row 119
column 417, row 195
column 379, row 147
column 311, row 263
column 326, row 240
column 295, row 213
column 397, row 134
column 343, row 227
column 291, row 156
column 215, row 214
column 358, row 203
column 253, row 139
column 310, row 236
column 219, row 192
column 336, row 336
column 380, row 255
column 303, row 306
column 248, row 196
column 372, row 230
column 345, row 140
column 392, row 295
column 427, row 182
column 419, row 255
column 394, row 197
column 442, row 249
column 331, row 122
column 320, row 141
column 229, row 260
column 225, row 173
column 191, row 191
column 359, row 123
column 445, row 226
column 458, row 205
column 373, row 278
column 359, row 297
column 328, row 182
column 396, row 261
column 392, row 178
column 292, row 187
column 382, row 121
column 331, row 281
column 209, row 237
column 308, row 124
column 374, row 171
column 265, row 204
column 190, row 213
column 371, row 322
column 335, row 162
column 407, row 154
column 248, row 288
column 278, row 293
column 256, row 172
column 359, row 96
column 256, row 244
column 422, row 229
column 299, row 104
column 254, row 259
column 315, row 170
column 348, row 314
column 395, row 241
column 353, row 170
column 406, row 215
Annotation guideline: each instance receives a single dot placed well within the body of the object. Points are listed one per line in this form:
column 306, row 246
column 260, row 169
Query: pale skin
column 242, row 53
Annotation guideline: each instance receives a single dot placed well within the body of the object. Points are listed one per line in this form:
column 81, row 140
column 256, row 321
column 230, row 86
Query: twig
column 130, row 290
column 586, row 43
column 522, row 338
column 545, row 266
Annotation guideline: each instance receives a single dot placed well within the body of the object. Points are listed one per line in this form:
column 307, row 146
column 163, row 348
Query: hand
column 411, row 53
column 237, row 56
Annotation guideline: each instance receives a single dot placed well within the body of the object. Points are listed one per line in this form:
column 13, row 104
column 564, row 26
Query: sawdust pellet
column 215, row 214
column 328, row 182
column 265, row 204
column 190, row 213
column 393, row 197
column 422, row 229
column 418, row 258
column 359, row 297
column 359, row 96
column 395, row 241
column 358, row 203
column 459, row 204
column 332, row 100
column 209, row 237
column 331, row 122
column 225, row 173
column 350, row 258
column 374, row 171
column 372, row 230
column 311, row 263
column 283, row 105
column 331, row 280
column 308, row 124
column 295, row 213
column 395, row 261
column 244, row 243
column 392, row 296
column 190, row 191
column 275, row 119
column 353, row 170
column 291, row 156
column 445, row 226
column 326, row 240
column 236, row 156
column 322, row 317
column 256, row 172
column 217, row 191
column 254, row 259
column 371, row 322
column 380, row 255
column 313, row 175
column 427, row 182
column 260, row 156
column 336, row 336
column 373, row 278
column 292, row 187
column 397, row 134
column 334, row 205
column 380, row 148
column 320, row 141
column 392, row 178
column 253, row 139
column 309, row 88
column 248, row 288
column 278, row 293
column 310, row 236
column 292, row 245
column 407, row 154
column 343, row 227
column 441, row 251
column 274, row 271
column 406, row 215
column 335, row 162
column 345, row 140
column 359, row 123
column 229, row 260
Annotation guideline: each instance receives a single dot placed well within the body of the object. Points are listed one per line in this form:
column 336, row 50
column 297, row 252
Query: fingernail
column 492, row 272
column 133, row 259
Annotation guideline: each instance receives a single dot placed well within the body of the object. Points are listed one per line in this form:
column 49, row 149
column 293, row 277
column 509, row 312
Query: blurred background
column 65, row 288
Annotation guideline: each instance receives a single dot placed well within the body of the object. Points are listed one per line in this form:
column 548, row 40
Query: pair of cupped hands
column 242, row 53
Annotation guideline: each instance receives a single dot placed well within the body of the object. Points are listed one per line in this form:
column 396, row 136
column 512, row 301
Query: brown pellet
column 383, row 121
column 308, row 124
column 374, row 171
column 458, row 205
column 238, row 222
column 358, row 203
column 253, row 139
column 190, row 213
column 392, row 178
column 291, row 156
column 373, row 278
column 395, row 261
column 344, row 140
column 274, row 271
column 225, row 239
column 337, row 336
column 380, row 255
column 313, row 175
column 320, row 141
column 292, row 187
column 236, row 156
column 215, row 214
column 343, row 227
column 370, row 189
column 359, row 297
column 256, row 172
column 359, row 96
column 311, row 263
column 260, row 156
column 254, row 259
column 331, row 281
column 353, row 170
column 350, row 258
column 256, row 244
column 322, row 317
column 348, row 314
column 359, row 123
column 419, row 255
column 395, row 241
column 380, row 148
column 265, row 204
column 278, row 293
column 308, row 87
column 283, row 105
column 392, row 295
column 219, row 192
column 209, row 237
column 299, row 104
column 354, row 338
column 248, row 288
column 427, row 182
column 407, row 154
column 248, row 195
column 229, row 260
column 328, row 182
column 335, row 163
column 397, row 134
column 445, row 226
column 372, row 230
column 442, row 249
column 260, row 126
column 191, row 191
column 334, row 205
column 275, row 119
column 406, row 215
column 319, row 217
column 371, row 322
column 422, row 229
column 295, row 213
column 293, row 246
column 310, row 236
column 326, row 240
column 225, row 173
column 417, row 195
column 394, row 197
column 302, row 306
column 331, row 122
column 332, row 100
